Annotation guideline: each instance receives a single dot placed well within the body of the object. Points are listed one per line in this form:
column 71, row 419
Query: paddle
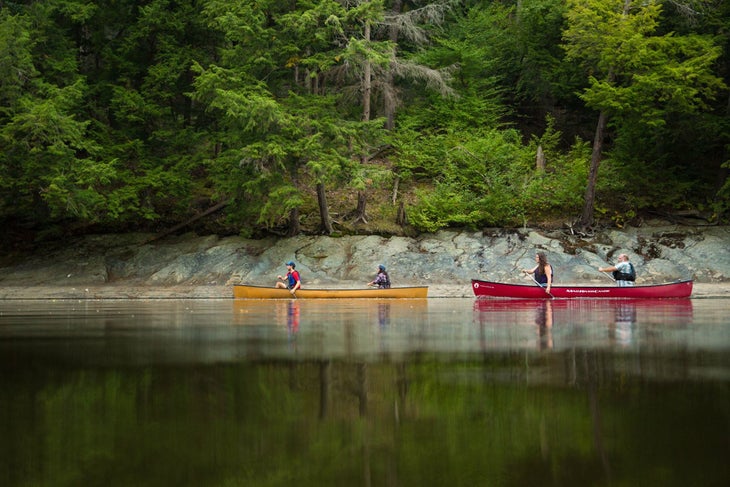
column 540, row 285
column 600, row 269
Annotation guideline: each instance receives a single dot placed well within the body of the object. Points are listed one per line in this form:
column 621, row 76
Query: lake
column 445, row 391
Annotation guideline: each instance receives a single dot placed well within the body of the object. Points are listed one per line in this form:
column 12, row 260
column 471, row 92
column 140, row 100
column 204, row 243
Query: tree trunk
column 390, row 101
column 324, row 211
column 360, row 215
column 294, row 228
column 362, row 388
column 366, row 94
column 586, row 219
column 540, row 159
column 366, row 80
column 401, row 218
column 325, row 379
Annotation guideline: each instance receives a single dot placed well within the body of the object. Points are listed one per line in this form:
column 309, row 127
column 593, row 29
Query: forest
column 283, row 117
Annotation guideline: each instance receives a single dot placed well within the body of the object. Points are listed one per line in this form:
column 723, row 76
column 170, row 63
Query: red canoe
column 678, row 289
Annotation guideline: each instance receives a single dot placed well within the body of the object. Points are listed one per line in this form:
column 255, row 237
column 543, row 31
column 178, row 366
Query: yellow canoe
column 245, row 291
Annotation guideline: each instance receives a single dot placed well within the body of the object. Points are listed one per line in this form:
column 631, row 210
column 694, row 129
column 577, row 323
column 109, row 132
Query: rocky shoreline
column 134, row 266
column 112, row 291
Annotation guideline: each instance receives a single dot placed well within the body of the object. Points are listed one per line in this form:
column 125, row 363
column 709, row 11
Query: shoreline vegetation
column 281, row 119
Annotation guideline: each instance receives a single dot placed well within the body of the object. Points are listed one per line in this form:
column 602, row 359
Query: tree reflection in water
column 544, row 320
column 372, row 394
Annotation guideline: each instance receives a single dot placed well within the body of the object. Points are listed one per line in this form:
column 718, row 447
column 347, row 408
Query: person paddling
column 623, row 272
column 292, row 279
column 382, row 280
column 543, row 271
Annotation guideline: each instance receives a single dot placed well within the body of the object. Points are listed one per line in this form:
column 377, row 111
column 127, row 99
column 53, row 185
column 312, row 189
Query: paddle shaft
column 540, row 285
column 609, row 276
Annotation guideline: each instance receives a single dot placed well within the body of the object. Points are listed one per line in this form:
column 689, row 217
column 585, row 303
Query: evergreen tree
column 636, row 75
column 48, row 167
column 283, row 125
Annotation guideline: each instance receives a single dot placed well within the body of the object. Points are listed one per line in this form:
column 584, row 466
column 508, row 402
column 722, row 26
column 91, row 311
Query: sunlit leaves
column 634, row 70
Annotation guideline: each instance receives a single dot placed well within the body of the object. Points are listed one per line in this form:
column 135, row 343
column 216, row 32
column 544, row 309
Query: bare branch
column 435, row 79
column 409, row 23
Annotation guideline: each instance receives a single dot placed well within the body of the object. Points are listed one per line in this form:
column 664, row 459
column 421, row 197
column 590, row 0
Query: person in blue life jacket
column 623, row 272
column 543, row 272
column 382, row 280
column 291, row 280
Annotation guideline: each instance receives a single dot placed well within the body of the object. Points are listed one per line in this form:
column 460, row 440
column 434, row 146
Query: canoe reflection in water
column 259, row 311
column 292, row 315
column 622, row 331
column 290, row 310
column 622, row 319
column 383, row 315
column 544, row 321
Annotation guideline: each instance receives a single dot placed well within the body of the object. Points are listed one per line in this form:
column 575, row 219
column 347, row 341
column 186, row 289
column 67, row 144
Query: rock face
column 659, row 254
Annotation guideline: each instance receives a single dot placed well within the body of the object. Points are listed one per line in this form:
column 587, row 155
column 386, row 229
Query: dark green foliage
column 143, row 114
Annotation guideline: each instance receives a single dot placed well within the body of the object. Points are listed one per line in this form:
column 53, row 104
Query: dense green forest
column 333, row 116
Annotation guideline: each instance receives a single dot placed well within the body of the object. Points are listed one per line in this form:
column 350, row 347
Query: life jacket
column 293, row 280
column 625, row 276
column 384, row 284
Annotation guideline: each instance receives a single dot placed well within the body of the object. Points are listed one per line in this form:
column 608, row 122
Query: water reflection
column 287, row 313
column 383, row 314
column 421, row 392
column 622, row 329
column 622, row 319
column 544, row 323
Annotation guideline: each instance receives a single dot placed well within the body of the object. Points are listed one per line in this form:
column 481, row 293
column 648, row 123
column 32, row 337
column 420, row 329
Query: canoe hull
column 243, row 291
column 679, row 289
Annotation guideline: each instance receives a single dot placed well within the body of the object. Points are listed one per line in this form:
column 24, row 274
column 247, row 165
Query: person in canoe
column 623, row 272
column 543, row 272
column 291, row 280
column 382, row 280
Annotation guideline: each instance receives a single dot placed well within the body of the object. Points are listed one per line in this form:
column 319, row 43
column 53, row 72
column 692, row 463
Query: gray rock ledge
column 190, row 266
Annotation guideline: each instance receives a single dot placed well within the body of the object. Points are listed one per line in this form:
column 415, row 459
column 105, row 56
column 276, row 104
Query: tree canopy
column 288, row 116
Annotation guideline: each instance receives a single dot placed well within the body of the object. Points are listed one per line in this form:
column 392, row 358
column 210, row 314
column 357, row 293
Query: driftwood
column 177, row 227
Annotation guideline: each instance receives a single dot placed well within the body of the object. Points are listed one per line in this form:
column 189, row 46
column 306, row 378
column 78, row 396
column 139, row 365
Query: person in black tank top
column 542, row 271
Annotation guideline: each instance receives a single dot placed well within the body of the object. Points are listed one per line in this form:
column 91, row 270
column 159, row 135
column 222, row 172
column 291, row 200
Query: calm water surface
column 383, row 393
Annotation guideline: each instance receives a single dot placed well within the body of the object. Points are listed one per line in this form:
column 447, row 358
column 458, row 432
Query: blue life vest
column 293, row 280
